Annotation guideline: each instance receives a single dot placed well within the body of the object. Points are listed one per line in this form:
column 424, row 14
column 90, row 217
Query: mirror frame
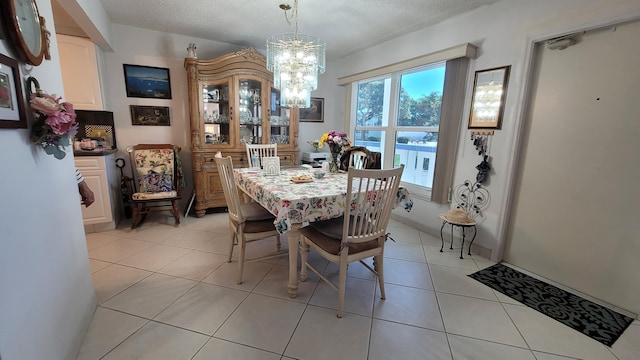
column 485, row 84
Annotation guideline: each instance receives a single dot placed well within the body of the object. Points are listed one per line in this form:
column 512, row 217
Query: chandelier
column 295, row 60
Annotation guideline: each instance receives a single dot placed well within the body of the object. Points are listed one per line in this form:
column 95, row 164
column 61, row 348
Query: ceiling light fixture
column 295, row 60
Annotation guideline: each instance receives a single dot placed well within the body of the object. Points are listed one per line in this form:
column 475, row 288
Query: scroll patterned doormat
column 596, row 321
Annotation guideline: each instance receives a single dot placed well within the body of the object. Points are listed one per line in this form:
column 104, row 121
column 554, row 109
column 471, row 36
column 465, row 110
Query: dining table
column 295, row 203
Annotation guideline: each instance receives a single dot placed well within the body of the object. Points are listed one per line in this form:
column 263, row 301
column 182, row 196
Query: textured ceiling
column 347, row 26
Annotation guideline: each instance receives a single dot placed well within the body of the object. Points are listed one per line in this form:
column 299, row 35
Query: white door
column 576, row 215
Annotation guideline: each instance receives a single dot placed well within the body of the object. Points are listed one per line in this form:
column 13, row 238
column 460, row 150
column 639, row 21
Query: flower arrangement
column 337, row 141
column 55, row 123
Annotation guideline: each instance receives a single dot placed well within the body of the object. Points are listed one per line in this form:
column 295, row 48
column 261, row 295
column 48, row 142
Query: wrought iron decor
column 472, row 198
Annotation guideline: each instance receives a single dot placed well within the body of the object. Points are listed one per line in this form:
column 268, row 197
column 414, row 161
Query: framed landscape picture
column 150, row 115
column 147, row 81
column 314, row 113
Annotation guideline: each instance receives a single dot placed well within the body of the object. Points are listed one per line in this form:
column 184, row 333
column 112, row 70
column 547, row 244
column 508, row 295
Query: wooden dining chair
column 249, row 221
column 360, row 233
column 260, row 150
column 358, row 160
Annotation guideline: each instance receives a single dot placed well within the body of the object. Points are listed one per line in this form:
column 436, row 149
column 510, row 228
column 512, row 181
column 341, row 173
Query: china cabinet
column 232, row 102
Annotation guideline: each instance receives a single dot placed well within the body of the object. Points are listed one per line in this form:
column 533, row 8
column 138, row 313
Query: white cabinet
column 100, row 174
column 79, row 66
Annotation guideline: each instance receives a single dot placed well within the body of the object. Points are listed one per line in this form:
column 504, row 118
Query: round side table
column 466, row 226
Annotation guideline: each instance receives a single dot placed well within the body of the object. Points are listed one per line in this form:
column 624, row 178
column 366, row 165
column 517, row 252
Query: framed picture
column 147, row 82
column 13, row 113
column 489, row 94
column 150, row 115
column 315, row 113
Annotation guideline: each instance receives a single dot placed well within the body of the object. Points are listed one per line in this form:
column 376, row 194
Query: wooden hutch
column 232, row 102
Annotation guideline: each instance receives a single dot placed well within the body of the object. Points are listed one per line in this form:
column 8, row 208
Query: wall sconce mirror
column 489, row 94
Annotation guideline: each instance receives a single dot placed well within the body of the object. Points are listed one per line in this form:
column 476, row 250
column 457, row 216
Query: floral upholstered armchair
column 156, row 180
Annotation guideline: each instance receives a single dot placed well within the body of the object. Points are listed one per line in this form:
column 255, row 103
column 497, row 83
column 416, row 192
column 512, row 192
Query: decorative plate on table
column 301, row 179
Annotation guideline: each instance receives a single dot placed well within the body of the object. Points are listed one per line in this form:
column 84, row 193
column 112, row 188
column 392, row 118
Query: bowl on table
column 319, row 174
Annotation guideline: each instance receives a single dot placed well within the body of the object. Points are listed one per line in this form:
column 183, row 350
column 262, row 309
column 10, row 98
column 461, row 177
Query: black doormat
column 587, row 317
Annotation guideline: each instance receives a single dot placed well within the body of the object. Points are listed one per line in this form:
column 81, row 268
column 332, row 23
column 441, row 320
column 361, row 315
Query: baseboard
column 83, row 328
column 95, row 228
column 475, row 249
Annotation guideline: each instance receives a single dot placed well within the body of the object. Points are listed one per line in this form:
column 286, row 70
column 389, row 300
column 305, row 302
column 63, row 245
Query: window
column 411, row 125
column 411, row 113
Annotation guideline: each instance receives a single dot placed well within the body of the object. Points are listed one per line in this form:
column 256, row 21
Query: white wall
column 138, row 46
column 46, row 297
column 503, row 33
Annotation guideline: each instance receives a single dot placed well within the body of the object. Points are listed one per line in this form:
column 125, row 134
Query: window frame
column 451, row 114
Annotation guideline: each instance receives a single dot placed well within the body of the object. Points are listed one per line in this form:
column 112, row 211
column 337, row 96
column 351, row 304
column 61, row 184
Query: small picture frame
column 489, row 95
column 314, row 113
column 147, row 81
column 150, row 115
column 271, row 165
column 13, row 113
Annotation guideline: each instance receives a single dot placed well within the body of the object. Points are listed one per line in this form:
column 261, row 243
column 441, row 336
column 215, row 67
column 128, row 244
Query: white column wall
column 47, row 297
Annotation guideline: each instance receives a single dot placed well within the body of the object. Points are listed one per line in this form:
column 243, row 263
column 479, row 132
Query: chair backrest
column 261, row 150
column 358, row 160
column 374, row 159
column 155, row 167
column 227, row 178
column 371, row 194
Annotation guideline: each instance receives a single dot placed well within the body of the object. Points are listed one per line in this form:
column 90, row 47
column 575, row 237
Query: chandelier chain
column 294, row 15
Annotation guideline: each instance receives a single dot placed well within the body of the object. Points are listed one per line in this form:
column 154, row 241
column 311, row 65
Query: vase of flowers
column 55, row 123
column 337, row 141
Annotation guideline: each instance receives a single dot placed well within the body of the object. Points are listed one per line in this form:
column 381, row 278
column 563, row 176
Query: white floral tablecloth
column 290, row 202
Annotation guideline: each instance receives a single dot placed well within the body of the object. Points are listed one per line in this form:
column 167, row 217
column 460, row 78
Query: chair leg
column 232, row 241
column 175, row 211
column 242, row 244
column 380, row 270
column 134, row 216
column 304, row 255
column 342, row 284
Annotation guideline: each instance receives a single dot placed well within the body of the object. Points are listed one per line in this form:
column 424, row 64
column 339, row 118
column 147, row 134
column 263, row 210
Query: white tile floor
column 166, row 292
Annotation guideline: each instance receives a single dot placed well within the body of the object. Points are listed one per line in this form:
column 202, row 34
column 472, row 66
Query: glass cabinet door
column 250, row 111
column 279, row 119
column 215, row 98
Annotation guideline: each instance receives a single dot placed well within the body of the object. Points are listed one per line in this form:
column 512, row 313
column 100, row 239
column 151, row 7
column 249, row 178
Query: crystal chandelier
column 295, row 60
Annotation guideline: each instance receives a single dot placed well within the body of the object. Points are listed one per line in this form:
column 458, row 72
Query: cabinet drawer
column 90, row 163
column 238, row 160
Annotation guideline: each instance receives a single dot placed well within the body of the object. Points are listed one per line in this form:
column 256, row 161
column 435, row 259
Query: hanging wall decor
column 150, row 115
column 12, row 107
column 147, row 81
column 314, row 113
column 489, row 94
